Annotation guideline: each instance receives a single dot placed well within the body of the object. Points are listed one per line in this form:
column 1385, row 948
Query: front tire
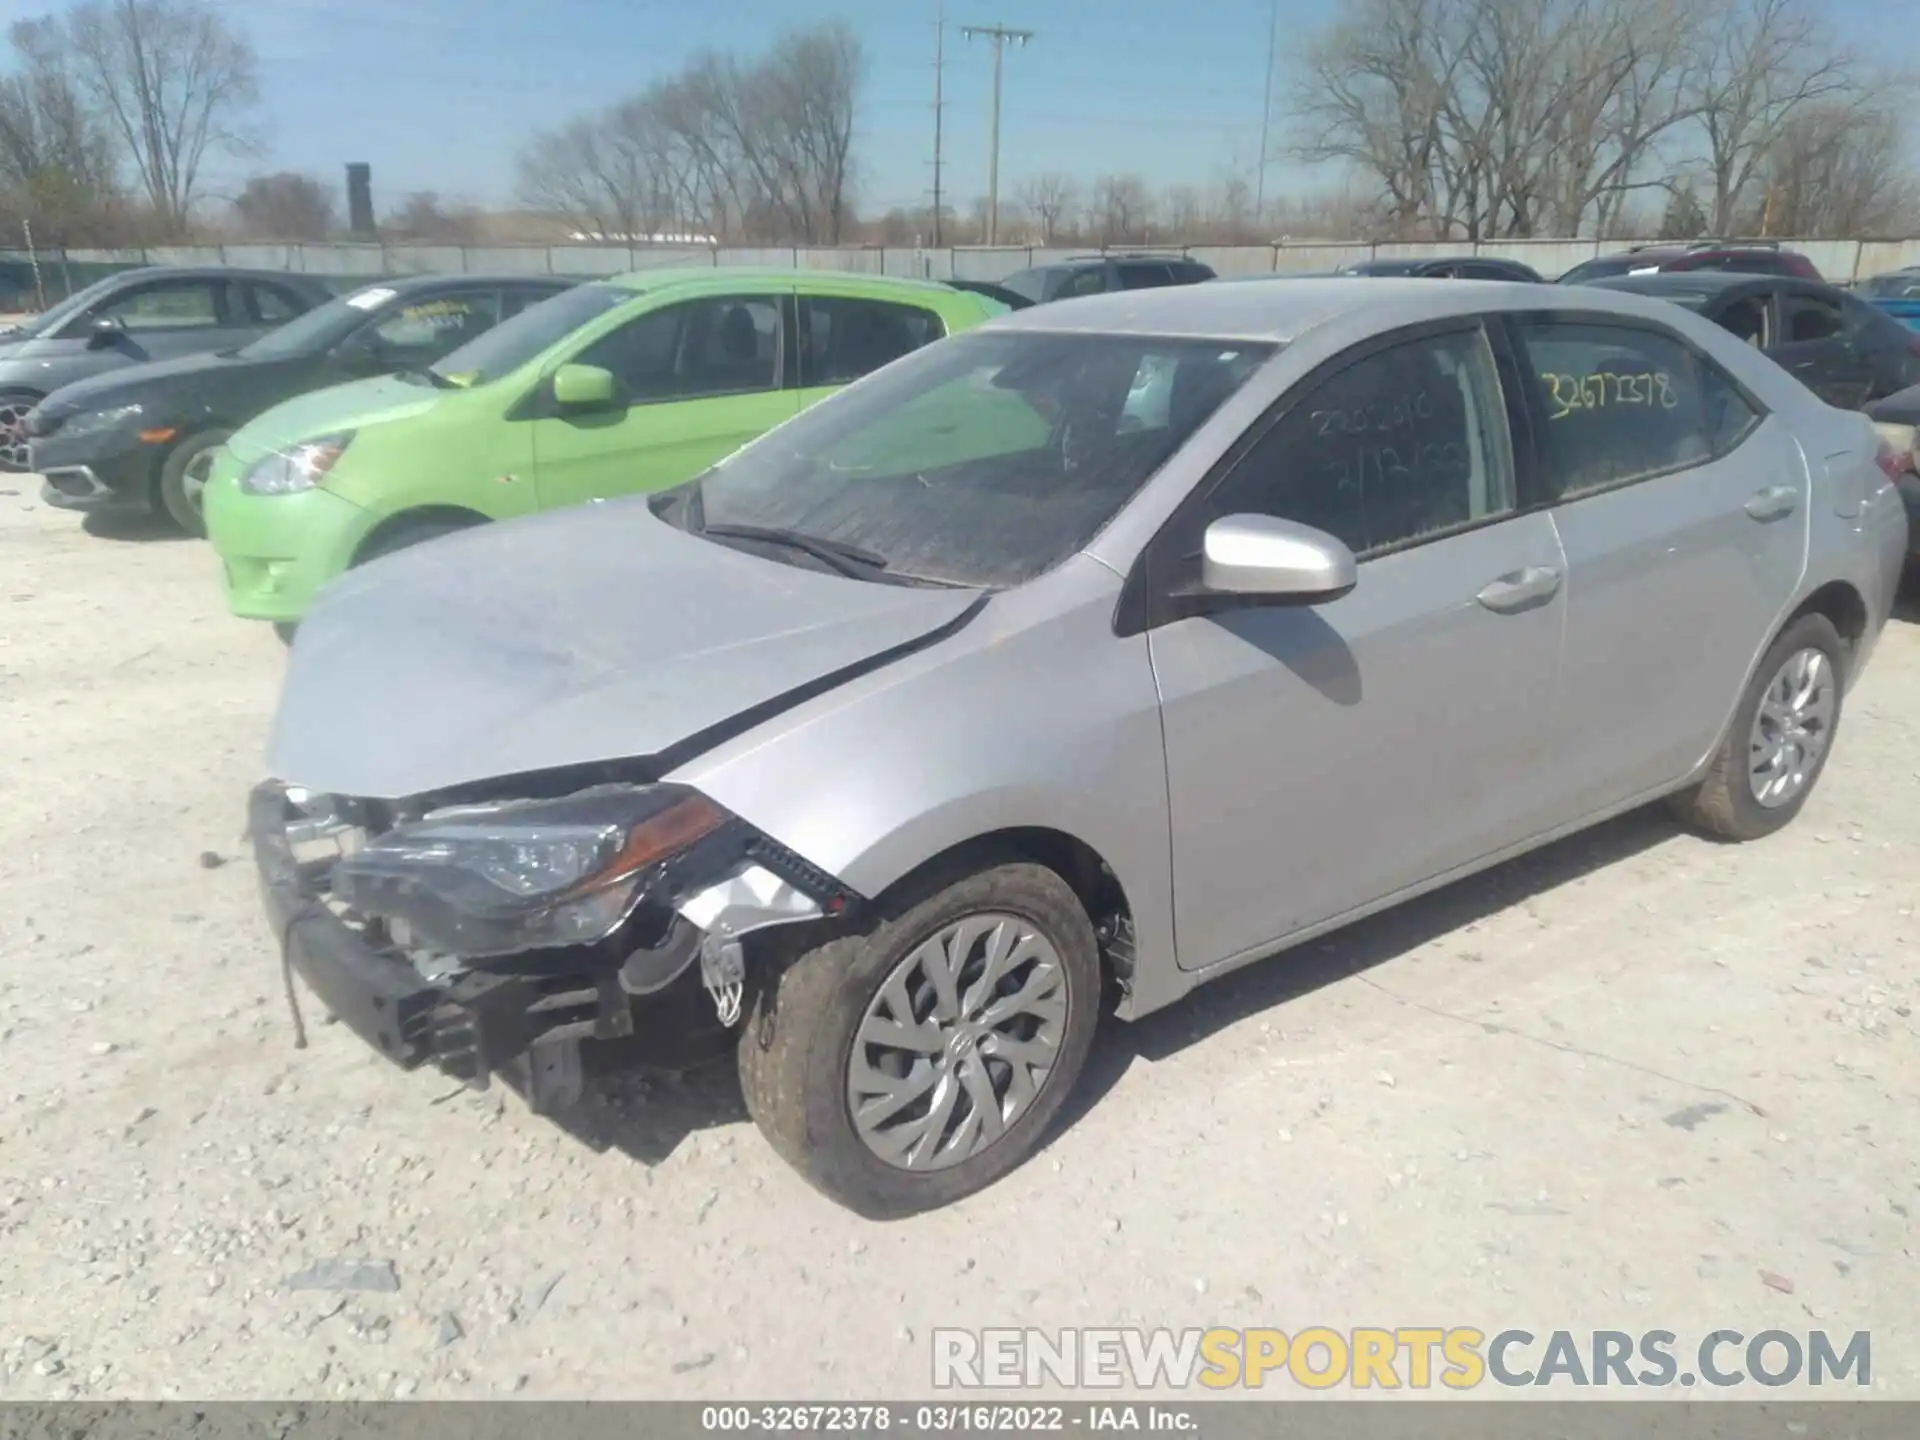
column 914, row 1063
column 14, row 405
column 1780, row 738
column 183, row 479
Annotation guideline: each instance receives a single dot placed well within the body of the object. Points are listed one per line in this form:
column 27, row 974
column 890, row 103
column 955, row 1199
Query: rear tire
column 183, row 479
column 1758, row 756
column 405, row 533
column 1005, row 1060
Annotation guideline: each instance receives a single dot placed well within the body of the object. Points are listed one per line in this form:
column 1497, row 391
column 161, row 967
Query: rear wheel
column 917, row 1062
column 1780, row 738
column 183, row 479
column 14, row 405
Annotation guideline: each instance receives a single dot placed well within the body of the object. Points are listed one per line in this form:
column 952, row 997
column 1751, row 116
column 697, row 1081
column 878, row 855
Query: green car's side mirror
column 583, row 387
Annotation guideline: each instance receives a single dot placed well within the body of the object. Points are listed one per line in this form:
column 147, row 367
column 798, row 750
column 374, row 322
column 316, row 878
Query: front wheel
column 14, row 408
column 1781, row 736
column 409, row 531
column 910, row 1065
column 183, row 479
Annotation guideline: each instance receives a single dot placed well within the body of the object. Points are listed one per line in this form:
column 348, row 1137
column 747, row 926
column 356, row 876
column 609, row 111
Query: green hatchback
column 631, row 384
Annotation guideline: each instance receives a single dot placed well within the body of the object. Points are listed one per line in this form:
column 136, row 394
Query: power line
column 999, row 35
column 939, row 68
column 1266, row 111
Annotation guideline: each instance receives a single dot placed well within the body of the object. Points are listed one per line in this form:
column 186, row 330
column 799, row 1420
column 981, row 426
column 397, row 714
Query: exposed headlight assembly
column 483, row 880
column 94, row 422
column 296, row 468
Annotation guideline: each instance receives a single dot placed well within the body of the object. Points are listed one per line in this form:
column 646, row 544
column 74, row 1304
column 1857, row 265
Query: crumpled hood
column 588, row 634
column 353, row 406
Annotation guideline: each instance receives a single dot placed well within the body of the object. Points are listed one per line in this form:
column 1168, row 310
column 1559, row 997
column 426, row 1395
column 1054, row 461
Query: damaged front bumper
column 668, row 980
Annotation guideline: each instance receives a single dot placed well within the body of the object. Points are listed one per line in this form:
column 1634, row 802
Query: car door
column 160, row 319
column 1682, row 509
column 1815, row 349
column 1323, row 758
column 1890, row 351
column 694, row 381
column 840, row 338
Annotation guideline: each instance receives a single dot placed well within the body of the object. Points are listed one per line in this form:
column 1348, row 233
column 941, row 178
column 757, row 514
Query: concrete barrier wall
column 1841, row 260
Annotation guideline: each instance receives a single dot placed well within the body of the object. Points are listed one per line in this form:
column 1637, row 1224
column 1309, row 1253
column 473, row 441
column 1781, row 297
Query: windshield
column 982, row 460
column 322, row 327
column 1902, row 284
column 538, row 328
column 1028, row 284
column 58, row 314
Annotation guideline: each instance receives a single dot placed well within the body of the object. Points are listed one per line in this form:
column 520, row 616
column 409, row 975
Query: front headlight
column 481, row 880
column 298, row 467
column 93, row 422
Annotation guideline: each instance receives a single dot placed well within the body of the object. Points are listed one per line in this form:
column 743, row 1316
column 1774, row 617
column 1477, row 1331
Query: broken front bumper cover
column 480, row 1022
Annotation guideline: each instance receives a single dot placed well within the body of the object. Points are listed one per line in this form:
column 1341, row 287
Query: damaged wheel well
column 1087, row 874
column 1841, row 604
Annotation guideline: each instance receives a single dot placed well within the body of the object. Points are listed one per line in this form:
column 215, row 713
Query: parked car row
column 877, row 741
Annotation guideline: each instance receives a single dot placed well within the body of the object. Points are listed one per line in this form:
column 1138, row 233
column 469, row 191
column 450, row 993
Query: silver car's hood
column 589, row 634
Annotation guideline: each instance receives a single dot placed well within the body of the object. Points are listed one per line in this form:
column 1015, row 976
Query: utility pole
column 939, row 66
column 999, row 35
column 1266, row 116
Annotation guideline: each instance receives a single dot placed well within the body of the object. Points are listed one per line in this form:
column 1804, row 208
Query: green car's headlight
column 296, row 468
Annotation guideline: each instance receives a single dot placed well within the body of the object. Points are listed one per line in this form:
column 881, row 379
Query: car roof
column 407, row 283
column 1281, row 310
column 1717, row 282
column 216, row 272
column 770, row 276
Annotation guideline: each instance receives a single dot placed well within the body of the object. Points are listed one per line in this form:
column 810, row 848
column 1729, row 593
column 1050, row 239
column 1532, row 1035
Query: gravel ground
column 1636, row 1081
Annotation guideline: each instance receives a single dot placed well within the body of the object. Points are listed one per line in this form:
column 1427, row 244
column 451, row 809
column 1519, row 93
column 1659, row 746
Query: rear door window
column 842, row 339
column 1136, row 275
column 1812, row 317
column 1624, row 403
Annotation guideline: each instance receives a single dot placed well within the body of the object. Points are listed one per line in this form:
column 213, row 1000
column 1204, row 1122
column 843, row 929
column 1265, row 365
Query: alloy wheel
column 193, row 477
column 1792, row 728
column 958, row 1042
column 13, row 435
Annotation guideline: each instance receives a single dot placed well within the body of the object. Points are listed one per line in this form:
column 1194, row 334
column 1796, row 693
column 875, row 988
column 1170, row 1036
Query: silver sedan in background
column 1082, row 658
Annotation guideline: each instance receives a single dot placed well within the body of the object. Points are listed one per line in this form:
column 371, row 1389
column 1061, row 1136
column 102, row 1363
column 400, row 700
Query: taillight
column 1895, row 456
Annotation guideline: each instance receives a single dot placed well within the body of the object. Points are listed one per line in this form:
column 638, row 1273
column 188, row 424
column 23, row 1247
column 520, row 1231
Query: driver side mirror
column 584, row 387
column 1258, row 556
column 107, row 331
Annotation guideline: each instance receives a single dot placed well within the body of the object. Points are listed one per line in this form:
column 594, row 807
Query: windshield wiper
column 849, row 560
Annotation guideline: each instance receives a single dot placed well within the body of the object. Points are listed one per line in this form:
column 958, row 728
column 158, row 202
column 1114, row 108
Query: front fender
column 1033, row 716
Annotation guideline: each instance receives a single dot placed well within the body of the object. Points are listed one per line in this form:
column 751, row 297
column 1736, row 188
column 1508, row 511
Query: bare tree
column 1840, row 169
column 727, row 148
column 1050, row 199
column 1122, row 210
column 286, row 206
column 423, row 217
column 57, row 165
column 174, row 81
column 1757, row 65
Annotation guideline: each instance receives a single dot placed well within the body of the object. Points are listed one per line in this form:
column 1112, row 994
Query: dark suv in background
column 1097, row 274
column 1447, row 267
column 1747, row 256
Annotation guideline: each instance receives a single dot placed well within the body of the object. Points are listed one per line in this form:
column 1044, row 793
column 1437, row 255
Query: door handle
column 1520, row 590
column 1775, row 503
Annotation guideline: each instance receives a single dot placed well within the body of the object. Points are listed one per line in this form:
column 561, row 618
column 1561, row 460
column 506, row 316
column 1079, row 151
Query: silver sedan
column 1051, row 672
